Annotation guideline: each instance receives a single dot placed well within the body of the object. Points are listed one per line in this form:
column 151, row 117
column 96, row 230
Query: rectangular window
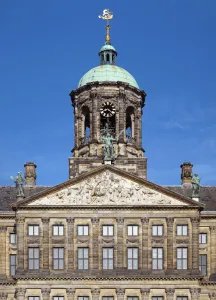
column 58, row 229
column 132, row 230
column 58, row 258
column 203, row 264
column 58, row 298
column 157, row 230
column 107, row 258
column 157, row 258
column 12, row 238
column 108, row 298
column 33, row 229
column 182, row 230
column 12, row 264
column 203, row 238
column 33, row 298
column 83, row 298
column 132, row 298
column 33, row 258
column 83, row 258
column 157, row 298
column 182, row 257
column 132, row 258
column 182, row 298
column 107, row 230
column 83, row 230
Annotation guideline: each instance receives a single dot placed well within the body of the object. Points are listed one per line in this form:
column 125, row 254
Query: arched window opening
column 85, row 125
column 108, row 59
column 130, row 124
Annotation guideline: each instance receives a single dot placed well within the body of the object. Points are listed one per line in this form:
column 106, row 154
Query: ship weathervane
column 107, row 15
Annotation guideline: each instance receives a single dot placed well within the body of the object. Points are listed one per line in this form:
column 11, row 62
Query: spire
column 107, row 53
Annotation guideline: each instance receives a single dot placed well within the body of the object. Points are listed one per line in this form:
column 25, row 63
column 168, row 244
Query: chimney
column 30, row 173
column 186, row 173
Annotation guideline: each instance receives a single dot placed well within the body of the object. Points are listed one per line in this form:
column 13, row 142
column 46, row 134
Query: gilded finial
column 107, row 15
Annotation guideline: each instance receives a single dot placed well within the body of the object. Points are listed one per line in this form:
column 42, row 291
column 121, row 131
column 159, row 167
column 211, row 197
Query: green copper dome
column 108, row 72
column 107, row 47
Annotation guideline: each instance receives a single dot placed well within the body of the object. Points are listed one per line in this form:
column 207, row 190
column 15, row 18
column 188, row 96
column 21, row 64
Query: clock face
column 108, row 109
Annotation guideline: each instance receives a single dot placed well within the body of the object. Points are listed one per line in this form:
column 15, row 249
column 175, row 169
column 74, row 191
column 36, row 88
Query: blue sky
column 170, row 48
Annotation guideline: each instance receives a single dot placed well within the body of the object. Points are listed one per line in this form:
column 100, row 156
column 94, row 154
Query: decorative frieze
column 120, row 292
column 145, row 292
column 158, row 241
column 45, row 292
column 95, row 293
column 33, row 241
column 186, row 241
column 20, row 292
column 20, row 220
column 132, row 241
column 58, row 241
column 120, row 220
column 170, row 293
column 212, row 296
column 145, row 220
column 195, row 293
column 3, row 296
column 45, row 220
column 70, row 221
column 95, row 221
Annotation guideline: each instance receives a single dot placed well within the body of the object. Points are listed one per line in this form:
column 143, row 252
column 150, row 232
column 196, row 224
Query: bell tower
column 108, row 106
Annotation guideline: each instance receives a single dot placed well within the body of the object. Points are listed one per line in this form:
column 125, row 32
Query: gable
column 109, row 187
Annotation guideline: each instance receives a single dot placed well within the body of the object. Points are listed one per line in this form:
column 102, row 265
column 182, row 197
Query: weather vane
column 107, row 15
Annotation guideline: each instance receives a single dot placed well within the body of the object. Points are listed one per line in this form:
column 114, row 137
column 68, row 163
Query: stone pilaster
column 195, row 245
column 121, row 113
column 70, row 293
column 95, row 245
column 145, row 224
column 195, row 293
column 20, row 293
column 212, row 296
column 20, row 221
column 95, row 294
column 45, row 222
column 120, row 254
column 70, row 222
column 3, row 230
column 138, row 128
column 45, row 292
column 3, row 296
column 120, row 294
column 170, row 222
column 213, row 247
column 93, row 95
column 170, row 294
column 145, row 293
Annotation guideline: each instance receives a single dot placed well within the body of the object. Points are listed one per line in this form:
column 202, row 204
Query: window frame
column 157, row 297
column 181, row 259
column 201, row 234
column 182, row 297
column 79, row 226
column 157, row 225
column 133, row 259
column 57, row 226
column 58, row 259
column 108, row 259
column 15, row 238
column 133, row 226
column 58, row 297
column 107, row 298
column 34, row 259
column 158, row 259
column 83, row 298
column 132, row 298
column 181, row 226
column 13, row 265
column 107, row 226
column 33, row 225
column 33, row 297
column 201, row 265
column 83, row 259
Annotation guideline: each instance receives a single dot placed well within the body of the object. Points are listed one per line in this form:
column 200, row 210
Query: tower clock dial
column 108, row 109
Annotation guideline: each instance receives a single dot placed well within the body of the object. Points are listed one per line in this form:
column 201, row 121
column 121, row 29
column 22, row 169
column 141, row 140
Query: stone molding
column 20, row 292
column 70, row 221
column 170, row 292
column 120, row 220
column 145, row 220
column 45, row 220
column 145, row 292
column 70, row 292
column 95, row 292
column 45, row 292
column 20, row 220
column 95, row 221
column 120, row 292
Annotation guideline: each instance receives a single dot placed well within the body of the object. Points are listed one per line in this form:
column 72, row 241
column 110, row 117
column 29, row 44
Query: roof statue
column 19, row 180
column 195, row 186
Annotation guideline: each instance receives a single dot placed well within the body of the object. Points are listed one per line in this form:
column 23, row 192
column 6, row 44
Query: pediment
column 107, row 186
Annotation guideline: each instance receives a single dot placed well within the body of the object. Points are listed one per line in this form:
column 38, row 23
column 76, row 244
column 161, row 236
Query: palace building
column 107, row 233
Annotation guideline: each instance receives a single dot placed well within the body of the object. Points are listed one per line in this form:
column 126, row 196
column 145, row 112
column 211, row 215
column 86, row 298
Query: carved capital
column 70, row 221
column 45, row 221
column 45, row 292
column 120, row 221
column 212, row 296
column 145, row 220
column 95, row 221
column 20, row 220
column 170, row 292
column 95, row 292
column 145, row 292
column 70, row 292
column 212, row 229
column 170, row 221
column 3, row 296
column 120, row 292
column 195, row 292
column 195, row 221
column 20, row 292
column 3, row 229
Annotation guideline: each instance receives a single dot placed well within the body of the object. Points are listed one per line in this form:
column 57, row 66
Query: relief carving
column 107, row 188
column 145, row 292
column 212, row 296
column 3, row 296
column 132, row 241
column 182, row 241
column 80, row 241
column 58, row 241
column 158, row 241
column 108, row 241
column 170, row 292
column 195, row 292
column 33, row 241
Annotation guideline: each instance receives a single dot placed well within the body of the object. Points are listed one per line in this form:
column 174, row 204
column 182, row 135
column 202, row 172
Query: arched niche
column 130, row 117
column 85, row 122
